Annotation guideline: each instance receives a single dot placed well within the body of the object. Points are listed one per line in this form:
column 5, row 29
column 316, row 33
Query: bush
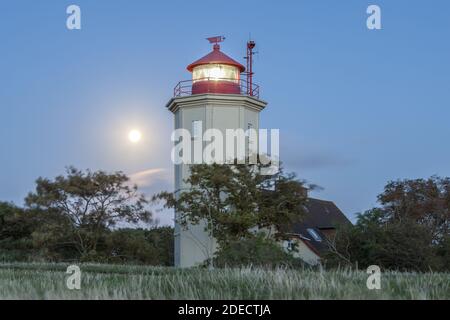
column 443, row 253
column 395, row 245
column 45, row 235
column 151, row 247
column 256, row 251
column 130, row 246
column 15, row 233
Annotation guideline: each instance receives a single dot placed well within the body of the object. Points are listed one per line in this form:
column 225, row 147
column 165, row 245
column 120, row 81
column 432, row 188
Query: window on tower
column 251, row 143
column 197, row 129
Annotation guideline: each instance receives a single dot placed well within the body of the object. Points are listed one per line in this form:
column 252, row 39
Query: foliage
column 234, row 200
column 395, row 246
column 72, row 217
column 26, row 236
column 152, row 247
column 425, row 201
column 410, row 231
column 443, row 253
column 15, row 233
column 256, row 251
column 90, row 203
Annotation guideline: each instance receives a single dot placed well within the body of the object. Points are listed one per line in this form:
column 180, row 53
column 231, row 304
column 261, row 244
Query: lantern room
column 216, row 73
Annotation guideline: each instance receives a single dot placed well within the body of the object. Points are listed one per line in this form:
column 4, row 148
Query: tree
column 426, row 201
column 33, row 235
column 409, row 231
column 235, row 200
column 54, row 236
column 90, row 203
column 390, row 245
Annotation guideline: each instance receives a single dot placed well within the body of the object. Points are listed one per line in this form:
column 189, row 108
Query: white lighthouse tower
column 216, row 98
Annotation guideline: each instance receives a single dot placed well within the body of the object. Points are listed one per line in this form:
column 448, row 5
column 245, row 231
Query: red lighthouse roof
column 216, row 57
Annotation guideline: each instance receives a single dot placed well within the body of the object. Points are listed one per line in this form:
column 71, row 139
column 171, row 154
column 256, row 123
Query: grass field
column 48, row 281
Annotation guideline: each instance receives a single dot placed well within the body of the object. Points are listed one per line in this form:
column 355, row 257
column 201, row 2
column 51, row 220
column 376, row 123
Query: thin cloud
column 150, row 177
column 150, row 182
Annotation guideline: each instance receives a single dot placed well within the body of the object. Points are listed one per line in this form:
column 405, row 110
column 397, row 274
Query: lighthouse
column 220, row 95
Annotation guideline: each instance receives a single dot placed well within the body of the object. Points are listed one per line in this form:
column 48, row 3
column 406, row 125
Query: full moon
column 134, row 136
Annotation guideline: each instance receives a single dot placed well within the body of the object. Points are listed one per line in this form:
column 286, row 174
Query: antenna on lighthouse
column 250, row 46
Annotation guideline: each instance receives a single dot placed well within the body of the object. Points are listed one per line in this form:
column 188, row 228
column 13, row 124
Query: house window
column 314, row 234
column 289, row 245
column 197, row 129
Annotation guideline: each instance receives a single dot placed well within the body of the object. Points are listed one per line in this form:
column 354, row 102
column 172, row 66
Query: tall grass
column 48, row 281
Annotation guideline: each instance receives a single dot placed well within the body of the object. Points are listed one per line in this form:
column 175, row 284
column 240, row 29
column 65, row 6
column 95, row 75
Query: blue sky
column 355, row 107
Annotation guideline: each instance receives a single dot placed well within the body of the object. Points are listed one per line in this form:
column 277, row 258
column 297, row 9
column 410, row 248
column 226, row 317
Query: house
column 312, row 233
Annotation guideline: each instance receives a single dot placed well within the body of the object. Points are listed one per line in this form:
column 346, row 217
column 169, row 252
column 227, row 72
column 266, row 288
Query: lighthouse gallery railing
column 184, row 88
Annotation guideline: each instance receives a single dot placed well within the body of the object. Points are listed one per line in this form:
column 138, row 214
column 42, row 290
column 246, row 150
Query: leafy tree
column 52, row 237
column 391, row 245
column 33, row 235
column 410, row 230
column 426, row 201
column 89, row 203
column 235, row 200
